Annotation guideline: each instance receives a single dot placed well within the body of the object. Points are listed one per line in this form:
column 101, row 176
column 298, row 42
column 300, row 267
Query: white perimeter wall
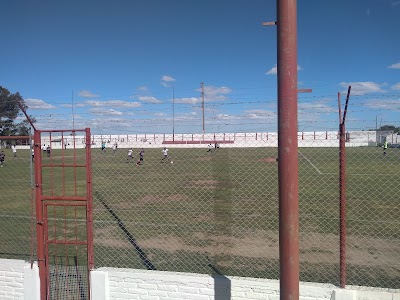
column 110, row 283
column 260, row 139
column 19, row 281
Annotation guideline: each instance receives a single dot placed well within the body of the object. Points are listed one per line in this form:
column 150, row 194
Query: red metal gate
column 63, row 181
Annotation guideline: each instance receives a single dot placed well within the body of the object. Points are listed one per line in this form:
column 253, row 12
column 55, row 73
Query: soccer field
column 218, row 212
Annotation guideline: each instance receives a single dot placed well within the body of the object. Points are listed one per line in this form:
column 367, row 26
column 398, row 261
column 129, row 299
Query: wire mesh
column 214, row 210
column 16, row 199
column 373, row 211
column 202, row 208
column 213, row 207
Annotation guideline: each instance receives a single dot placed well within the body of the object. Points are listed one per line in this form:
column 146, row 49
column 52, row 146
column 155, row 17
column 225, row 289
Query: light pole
column 173, row 113
column 202, row 104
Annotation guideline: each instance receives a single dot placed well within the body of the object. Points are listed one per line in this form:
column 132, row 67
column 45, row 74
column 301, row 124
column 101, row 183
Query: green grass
column 219, row 211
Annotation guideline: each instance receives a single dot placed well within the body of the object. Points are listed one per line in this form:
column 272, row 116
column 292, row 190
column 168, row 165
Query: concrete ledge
column 100, row 286
column 31, row 282
column 143, row 284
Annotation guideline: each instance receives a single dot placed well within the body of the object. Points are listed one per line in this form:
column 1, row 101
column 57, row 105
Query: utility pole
column 173, row 114
column 202, row 104
column 73, row 113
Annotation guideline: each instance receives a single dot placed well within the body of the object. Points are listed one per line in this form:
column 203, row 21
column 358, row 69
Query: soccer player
column 165, row 153
column 385, row 146
column 141, row 157
column 48, row 150
column 129, row 158
column 103, row 146
column 2, row 158
column 14, row 150
column 209, row 148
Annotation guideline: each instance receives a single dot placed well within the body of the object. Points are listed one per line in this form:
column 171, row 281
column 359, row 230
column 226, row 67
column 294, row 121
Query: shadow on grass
column 142, row 255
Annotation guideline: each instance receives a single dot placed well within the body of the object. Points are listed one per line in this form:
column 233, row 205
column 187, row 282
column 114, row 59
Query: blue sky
column 118, row 63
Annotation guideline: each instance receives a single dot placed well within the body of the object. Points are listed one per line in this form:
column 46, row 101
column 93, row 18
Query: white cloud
column 122, row 104
column 87, row 94
column 395, row 3
column 274, row 70
column 227, row 117
column 113, row 103
column 38, row 104
column 319, row 106
column 396, row 86
column 105, row 112
column 364, row 87
column 188, row 100
column 143, row 88
column 394, row 66
column 389, row 104
column 165, row 84
column 160, row 114
column 167, row 78
column 75, row 105
column 149, row 99
column 259, row 114
column 212, row 93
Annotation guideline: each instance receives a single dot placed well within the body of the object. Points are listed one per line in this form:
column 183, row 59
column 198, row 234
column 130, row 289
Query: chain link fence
column 212, row 206
column 205, row 207
column 17, row 200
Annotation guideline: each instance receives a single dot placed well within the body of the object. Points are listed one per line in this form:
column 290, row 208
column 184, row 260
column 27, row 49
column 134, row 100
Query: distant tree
column 9, row 111
column 390, row 128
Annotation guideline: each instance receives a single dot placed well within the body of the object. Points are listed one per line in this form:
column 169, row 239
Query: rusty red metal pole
column 342, row 192
column 288, row 150
column 89, row 201
column 39, row 213
column 342, row 189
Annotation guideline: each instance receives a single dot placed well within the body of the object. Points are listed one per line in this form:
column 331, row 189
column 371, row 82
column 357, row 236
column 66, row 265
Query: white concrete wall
column 115, row 284
column 18, row 280
column 260, row 139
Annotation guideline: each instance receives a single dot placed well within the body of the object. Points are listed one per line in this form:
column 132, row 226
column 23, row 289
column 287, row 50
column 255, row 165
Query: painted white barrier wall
column 18, row 280
column 118, row 284
column 261, row 139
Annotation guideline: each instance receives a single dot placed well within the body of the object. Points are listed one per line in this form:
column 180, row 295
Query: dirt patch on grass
column 269, row 159
column 158, row 199
column 315, row 248
column 203, row 183
column 148, row 199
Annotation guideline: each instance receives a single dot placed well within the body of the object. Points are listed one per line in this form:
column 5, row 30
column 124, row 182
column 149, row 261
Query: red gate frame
column 42, row 250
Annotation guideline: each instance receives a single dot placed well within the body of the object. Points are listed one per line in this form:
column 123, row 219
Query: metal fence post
column 39, row 214
column 288, row 150
column 342, row 188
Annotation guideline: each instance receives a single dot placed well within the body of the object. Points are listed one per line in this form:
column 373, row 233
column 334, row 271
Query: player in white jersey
column 165, row 153
column 129, row 158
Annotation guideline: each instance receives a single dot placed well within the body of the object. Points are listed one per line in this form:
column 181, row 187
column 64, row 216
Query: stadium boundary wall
column 225, row 140
column 19, row 281
column 111, row 283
